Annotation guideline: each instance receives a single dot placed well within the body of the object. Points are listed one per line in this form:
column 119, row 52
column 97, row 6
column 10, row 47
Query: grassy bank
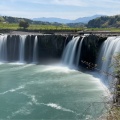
column 103, row 29
column 114, row 113
column 14, row 26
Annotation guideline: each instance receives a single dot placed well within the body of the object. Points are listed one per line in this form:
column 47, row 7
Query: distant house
column 4, row 22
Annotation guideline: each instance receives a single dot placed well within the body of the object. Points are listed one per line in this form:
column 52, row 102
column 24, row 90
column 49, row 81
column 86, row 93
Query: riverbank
column 59, row 32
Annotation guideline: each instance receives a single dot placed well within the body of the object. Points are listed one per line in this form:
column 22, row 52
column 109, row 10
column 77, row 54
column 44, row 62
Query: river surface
column 40, row 92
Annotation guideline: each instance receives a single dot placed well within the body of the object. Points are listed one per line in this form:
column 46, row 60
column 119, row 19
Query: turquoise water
column 40, row 92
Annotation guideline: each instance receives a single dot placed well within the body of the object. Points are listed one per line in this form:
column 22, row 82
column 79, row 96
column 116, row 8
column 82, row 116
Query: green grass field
column 13, row 26
column 9, row 26
column 103, row 29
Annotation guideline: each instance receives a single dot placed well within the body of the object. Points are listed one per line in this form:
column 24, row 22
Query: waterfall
column 3, row 48
column 105, row 60
column 22, row 48
column 79, row 51
column 25, row 49
column 35, row 50
column 69, row 52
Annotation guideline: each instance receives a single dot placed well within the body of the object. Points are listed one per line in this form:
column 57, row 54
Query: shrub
column 23, row 24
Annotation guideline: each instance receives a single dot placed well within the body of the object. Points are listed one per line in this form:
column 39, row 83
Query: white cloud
column 66, row 15
column 69, row 2
column 73, row 2
column 59, row 2
column 27, row 14
column 82, row 3
column 77, row 8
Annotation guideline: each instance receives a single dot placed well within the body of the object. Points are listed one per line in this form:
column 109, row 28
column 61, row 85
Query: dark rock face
column 48, row 46
column 28, row 48
column 90, row 48
column 12, row 45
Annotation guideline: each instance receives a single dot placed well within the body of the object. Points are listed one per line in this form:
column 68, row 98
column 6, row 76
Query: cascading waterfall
column 27, row 49
column 3, row 48
column 30, row 48
column 35, row 50
column 79, row 51
column 69, row 52
column 110, row 48
column 22, row 48
column 72, row 56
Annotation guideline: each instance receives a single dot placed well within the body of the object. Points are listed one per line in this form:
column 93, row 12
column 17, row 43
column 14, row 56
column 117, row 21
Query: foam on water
column 24, row 110
column 58, row 107
column 13, row 90
column 33, row 100
column 15, row 68
column 57, row 69
column 17, row 63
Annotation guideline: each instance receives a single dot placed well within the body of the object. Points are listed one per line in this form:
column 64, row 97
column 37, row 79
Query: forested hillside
column 105, row 22
column 17, row 20
column 13, row 19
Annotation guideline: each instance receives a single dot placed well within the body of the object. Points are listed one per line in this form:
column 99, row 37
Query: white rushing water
column 8, row 49
column 35, row 50
column 79, row 51
column 69, row 52
column 22, row 48
column 3, row 48
column 109, row 49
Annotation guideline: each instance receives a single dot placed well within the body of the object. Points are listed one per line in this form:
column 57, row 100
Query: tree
column 1, row 19
column 23, row 24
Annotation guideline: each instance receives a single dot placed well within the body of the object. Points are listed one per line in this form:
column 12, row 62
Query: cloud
column 37, row 14
column 69, row 2
column 103, row 4
column 52, row 2
column 59, row 2
column 73, row 2
column 69, row 15
column 58, row 8
column 82, row 3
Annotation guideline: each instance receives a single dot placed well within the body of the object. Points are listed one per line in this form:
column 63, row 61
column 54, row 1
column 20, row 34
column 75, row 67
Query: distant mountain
column 86, row 19
column 52, row 19
column 59, row 20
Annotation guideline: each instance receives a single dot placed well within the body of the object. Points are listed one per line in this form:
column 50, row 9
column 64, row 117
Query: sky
column 67, row 9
